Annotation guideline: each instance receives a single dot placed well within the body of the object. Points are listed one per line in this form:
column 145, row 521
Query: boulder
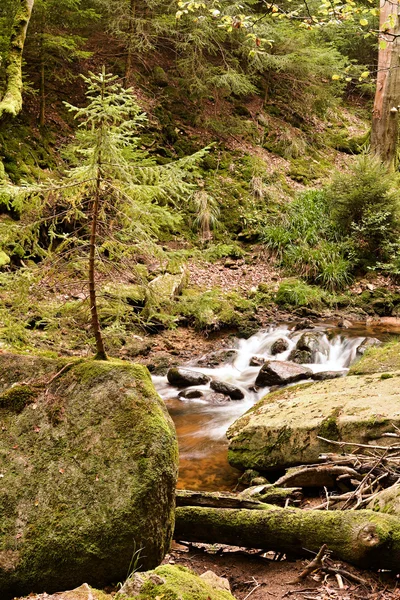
column 174, row 582
column 306, row 348
column 227, row 389
column 324, row 375
column 215, row 359
column 282, row 429
column 166, row 287
column 256, row 361
column 368, row 343
column 88, row 464
column 281, row 373
column 190, row 394
column 181, row 377
column 279, row 346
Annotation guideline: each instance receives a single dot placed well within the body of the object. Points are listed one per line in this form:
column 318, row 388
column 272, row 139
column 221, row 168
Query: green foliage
column 365, row 205
column 306, row 242
column 297, row 293
column 207, row 214
column 219, row 251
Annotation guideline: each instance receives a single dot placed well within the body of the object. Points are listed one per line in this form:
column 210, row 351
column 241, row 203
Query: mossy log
column 11, row 104
column 364, row 538
column 266, row 494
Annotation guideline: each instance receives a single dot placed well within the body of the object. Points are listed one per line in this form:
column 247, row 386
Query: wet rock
column 324, row 375
column 280, row 345
column 301, row 357
column 368, row 343
column 216, row 398
column 181, row 377
column 227, row 389
column 281, row 373
column 256, row 361
column 190, row 394
column 215, row 359
column 304, row 324
column 344, row 323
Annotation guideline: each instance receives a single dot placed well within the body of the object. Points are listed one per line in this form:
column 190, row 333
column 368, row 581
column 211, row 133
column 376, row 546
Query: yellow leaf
column 363, row 22
column 364, row 75
column 335, row 77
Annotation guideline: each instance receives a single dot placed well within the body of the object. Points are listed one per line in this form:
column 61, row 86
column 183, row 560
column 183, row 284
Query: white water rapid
column 201, row 424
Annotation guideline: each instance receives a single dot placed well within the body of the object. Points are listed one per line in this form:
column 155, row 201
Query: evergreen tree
column 122, row 195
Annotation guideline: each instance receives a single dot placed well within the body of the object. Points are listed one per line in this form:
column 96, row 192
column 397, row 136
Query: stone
column 182, row 377
column 215, row 359
column 256, row 361
column 190, row 394
column 344, row 323
column 167, row 286
column 279, row 346
column 282, row 429
column 323, row 375
column 216, row 398
column 227, row 389
column 216, row 582
column 281, row 373
column 89, row 477
column 304, row 324
column 179, row 583
column 368, row 343
column 306, row 348
column 83, row 592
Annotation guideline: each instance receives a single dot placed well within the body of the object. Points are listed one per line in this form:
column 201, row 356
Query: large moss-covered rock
column 83, row 592
column 282, row 429
column 88, row 465
column 380, row 359
column 175, row 583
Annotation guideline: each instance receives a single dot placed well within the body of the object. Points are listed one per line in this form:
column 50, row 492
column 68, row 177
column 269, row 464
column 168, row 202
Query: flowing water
column 201, row 425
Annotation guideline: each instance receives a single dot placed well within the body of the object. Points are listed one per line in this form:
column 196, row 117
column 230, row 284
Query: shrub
column 294, row 292
column 365, row 205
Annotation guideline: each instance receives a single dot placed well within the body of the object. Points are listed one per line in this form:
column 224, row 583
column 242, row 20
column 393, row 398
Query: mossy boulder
column 282, row 429
column 387, row 501
column 88, row 464
column 174, row 582
column 381, row 359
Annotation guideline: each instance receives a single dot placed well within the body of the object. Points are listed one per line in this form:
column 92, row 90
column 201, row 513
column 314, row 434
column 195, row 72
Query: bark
column 128, row 65
column 100, row 351
column 364, row 538
column 273, row 495
column 385, row 116
column 11, row 104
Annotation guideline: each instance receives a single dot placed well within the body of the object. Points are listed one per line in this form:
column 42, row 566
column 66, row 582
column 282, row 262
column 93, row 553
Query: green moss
column 329, row 428
column 380, row 359
column 18, row 397
column 180, row 584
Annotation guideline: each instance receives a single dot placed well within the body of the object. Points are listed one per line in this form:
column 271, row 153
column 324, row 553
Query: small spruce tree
column 116, row 188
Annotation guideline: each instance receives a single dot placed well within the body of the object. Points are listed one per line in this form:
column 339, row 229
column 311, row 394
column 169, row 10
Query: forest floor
column 260, row 577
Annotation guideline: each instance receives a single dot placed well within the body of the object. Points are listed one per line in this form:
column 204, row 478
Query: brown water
column 201, row 426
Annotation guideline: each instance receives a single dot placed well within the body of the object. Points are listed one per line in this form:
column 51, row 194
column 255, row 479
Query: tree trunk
column 385, row 116
column 100, row 351
column 128, row 65
column 363, row 537
column 11, row 104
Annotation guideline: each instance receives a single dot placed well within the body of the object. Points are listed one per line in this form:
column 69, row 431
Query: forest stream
column 201, row 422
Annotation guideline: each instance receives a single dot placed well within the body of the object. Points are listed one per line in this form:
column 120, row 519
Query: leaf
column 364, row 75
column 335, row 77
column 382, row 44
column 363, row 22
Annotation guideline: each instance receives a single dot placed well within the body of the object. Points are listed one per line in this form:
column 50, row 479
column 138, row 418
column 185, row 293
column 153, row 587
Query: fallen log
column 264, row 495
column 364, row 538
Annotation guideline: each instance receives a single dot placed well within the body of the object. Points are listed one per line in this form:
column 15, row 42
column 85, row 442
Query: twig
column 370, row 447
column 314, row 565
